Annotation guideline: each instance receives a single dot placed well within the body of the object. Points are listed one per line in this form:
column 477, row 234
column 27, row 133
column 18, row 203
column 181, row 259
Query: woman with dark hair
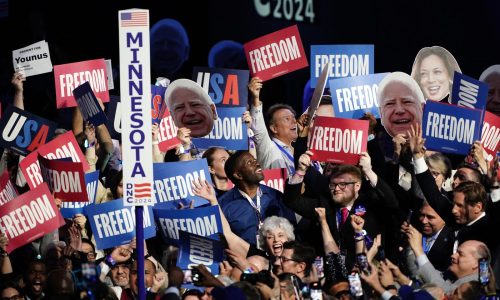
column 216, row 158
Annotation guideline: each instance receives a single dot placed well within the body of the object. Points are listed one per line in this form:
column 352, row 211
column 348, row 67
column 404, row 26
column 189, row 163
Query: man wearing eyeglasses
column 297, row 259
column 375, row 204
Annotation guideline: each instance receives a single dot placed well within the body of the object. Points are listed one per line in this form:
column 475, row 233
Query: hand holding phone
column 484, row 271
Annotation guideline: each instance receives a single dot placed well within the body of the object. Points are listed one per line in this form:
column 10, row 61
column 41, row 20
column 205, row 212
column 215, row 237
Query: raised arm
column 17, row 81
column 329, row 243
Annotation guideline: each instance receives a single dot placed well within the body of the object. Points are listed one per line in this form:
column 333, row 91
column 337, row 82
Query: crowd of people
column 405, row 222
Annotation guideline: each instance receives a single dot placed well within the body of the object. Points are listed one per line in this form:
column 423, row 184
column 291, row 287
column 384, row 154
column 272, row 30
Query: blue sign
column 158, row 104
column 345, row 60
column 229, row 132
column 226, row 87
column 23, row 132
column 468, row 92
column 199, row 250
column 352, row 97
column 204, row 221
column 69, row 209
column 89, row 105
column 449, row 128
column 172, row 180
column 114, row 224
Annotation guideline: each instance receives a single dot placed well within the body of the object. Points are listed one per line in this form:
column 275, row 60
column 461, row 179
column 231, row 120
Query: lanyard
column 254, row 206
column 290, row 168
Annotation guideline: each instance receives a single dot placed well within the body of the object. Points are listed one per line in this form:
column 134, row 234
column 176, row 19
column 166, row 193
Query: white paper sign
column 33, row 59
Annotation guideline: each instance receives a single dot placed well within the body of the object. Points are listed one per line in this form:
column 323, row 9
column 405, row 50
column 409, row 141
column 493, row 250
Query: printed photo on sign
column 400, row 103
column 226, row 87
column 338, row 140
column 191, row 107
column 203, row 221
column 114, row 224
column 70, row 76
column 449, row 128
column 433, row 70
column 275, row 54
column 172, row 180
column 24, row 132
column 72, row 208
column 33, row 59
column 229, row 131
column 468, row 92
column 345, row 61
column 29, row 217
column 199, row 250
column 352, row 97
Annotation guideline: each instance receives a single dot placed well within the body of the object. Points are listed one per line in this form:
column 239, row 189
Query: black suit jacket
column 442, row 249
column 379, row 203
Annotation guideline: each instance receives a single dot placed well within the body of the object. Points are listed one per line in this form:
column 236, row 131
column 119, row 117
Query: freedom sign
column 450, row 128
column 226, row 87
column 345, row 61
column 7, row 190
column 468, row 92
column 172, row 180
column 167, row 132
column 195, row 250
column 276, row 54
column 69, row 209
column 63, row 146
column 229, row 131
column 203, row 221
column 24, row 132
column 490, row 135
column 65, row 178
column 70, row 76
column 89, row 105
column 352, row 97
column 113, row 224
column 29, row 217
column 275, row 178
column 338, row 140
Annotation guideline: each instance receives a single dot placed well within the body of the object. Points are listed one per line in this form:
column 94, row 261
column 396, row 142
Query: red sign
column 338, row 140
column 66, row 179
column 62, row 146
column 29, row 217
column 70, row 76
column 7, row 189
column 490, row 135
column 275, row 178
column 276, row 54
column 167, row 137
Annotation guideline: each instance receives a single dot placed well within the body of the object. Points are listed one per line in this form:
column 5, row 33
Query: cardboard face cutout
column 400, row 103
column 433, row 70
column 191, row 107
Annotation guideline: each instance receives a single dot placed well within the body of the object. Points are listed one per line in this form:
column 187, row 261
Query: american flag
column 133, row 19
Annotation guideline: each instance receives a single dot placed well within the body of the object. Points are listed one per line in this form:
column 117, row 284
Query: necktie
column 344, row 214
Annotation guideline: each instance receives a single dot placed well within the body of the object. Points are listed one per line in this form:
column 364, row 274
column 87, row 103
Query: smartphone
column 484, row 272
column 408, row 218
column 363, row 264
column 315, row 291
column 380, row 253
column 355, row 284
column 319, row 266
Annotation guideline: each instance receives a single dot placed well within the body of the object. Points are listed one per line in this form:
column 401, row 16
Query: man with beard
column 35, row 279
column 376, row 204
column 249, row 202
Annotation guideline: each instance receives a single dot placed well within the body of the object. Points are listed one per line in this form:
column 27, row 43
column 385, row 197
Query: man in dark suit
column 375, row 205
column 438, row 238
